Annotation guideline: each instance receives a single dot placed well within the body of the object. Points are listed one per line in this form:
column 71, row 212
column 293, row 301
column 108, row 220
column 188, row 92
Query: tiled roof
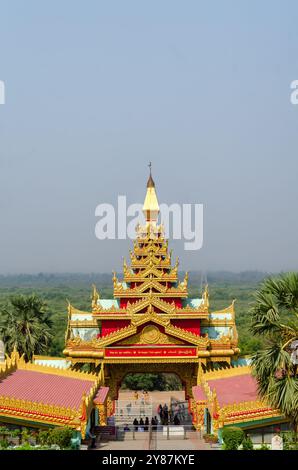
column 45, row 388
column 235, row 389
column 198, row 393
column 101, row 395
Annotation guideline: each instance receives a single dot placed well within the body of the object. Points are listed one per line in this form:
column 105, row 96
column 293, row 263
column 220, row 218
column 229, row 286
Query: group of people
column 174, row 415
column 163, row 412
column 142, row 425
column 179, row 410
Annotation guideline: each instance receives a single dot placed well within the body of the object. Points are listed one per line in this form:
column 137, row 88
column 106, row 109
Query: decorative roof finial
column 150, row 182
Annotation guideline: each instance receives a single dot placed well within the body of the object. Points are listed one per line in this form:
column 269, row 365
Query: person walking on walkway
column 136, row 424
column 160, row 412
column 146, row 424
column 165, row 412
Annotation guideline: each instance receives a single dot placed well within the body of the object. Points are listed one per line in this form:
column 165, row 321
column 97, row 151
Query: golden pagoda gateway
column 151, row 324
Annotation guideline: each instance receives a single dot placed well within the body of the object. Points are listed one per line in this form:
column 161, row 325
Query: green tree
column 61, row 437
column 275, row 317
column 25, row 324
column 232, row 437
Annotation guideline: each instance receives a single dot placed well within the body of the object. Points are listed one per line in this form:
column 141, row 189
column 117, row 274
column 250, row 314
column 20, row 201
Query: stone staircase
column 127, row 411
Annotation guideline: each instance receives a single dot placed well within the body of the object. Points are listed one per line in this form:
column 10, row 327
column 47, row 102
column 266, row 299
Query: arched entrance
column 149, row 397
column 115, row 374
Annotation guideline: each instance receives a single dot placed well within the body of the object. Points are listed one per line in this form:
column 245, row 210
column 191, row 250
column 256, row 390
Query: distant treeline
column 56, row 279
column 55, row 289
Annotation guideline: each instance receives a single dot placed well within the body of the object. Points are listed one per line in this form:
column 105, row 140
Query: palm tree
column 26, row 325
column 275, row 318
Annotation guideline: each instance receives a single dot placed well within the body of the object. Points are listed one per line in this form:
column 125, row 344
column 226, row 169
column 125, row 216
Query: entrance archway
column 115, row 374
column 151, row 397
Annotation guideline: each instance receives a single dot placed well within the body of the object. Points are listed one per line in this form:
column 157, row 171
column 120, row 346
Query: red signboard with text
column 151, row 352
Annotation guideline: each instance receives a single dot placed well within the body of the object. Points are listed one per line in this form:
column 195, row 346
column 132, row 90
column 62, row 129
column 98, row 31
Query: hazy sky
column 94, row 90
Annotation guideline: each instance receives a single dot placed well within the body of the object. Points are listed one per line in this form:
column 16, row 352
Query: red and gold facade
column 229, row 397
column 151, row 324
column 41, row 396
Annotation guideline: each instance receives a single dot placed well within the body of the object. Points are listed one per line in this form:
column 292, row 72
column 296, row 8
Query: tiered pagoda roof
column 150, row 294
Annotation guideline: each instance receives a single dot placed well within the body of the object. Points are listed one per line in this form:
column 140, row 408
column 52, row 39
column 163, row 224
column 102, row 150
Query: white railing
column 128, row 410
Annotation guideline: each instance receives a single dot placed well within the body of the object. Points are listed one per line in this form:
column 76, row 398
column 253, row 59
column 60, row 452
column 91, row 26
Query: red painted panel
column 123, row 302
column 191, row 325
column 109, row 326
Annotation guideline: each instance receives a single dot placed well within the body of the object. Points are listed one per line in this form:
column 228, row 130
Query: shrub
column 25, row 436
column 290, row 441
column 232, row 437
column 43, row 437
column 264, row 447
column 4, row 444
column 247, row 444
column 60, row 437
column 15, row 433
column 4, row 431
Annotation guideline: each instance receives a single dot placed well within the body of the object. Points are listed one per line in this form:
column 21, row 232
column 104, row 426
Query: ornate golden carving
column 44, row 412
column 95, row 298
column 151, row 335
column 205, row 303
column 102, row 414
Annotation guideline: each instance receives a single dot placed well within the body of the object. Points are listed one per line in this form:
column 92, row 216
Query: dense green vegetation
column 26, row 439
column 232, row 437
column 151, row 382
column 275, row 319
column 55, row 289
column 26, row 325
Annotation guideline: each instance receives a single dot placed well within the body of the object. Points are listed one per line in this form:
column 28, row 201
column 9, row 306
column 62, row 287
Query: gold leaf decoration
column 151, row 335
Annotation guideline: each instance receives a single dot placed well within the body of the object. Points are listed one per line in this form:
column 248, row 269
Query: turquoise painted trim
column 221, row 316
column 258, row 423
column 25, row 422
column 81, row 316
column 60, row 363
column 194, row 303
column 242, row 361
column 205, row 419
column 108, row 303
column 219, row 435
column 215, row 332
column 86, row 334
column 96, row 417
column 88, row 427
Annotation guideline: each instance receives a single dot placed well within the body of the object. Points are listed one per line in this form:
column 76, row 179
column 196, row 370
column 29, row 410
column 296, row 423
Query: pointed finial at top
column 150, row 182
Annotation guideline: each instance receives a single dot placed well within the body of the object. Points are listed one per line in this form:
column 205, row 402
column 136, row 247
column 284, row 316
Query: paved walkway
column 141, row 442
column 158, row 442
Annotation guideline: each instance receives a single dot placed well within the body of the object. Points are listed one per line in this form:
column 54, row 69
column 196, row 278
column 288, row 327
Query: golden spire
column 150, row 182
column 95, row 296
column 151, row 207
column 206, row 297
